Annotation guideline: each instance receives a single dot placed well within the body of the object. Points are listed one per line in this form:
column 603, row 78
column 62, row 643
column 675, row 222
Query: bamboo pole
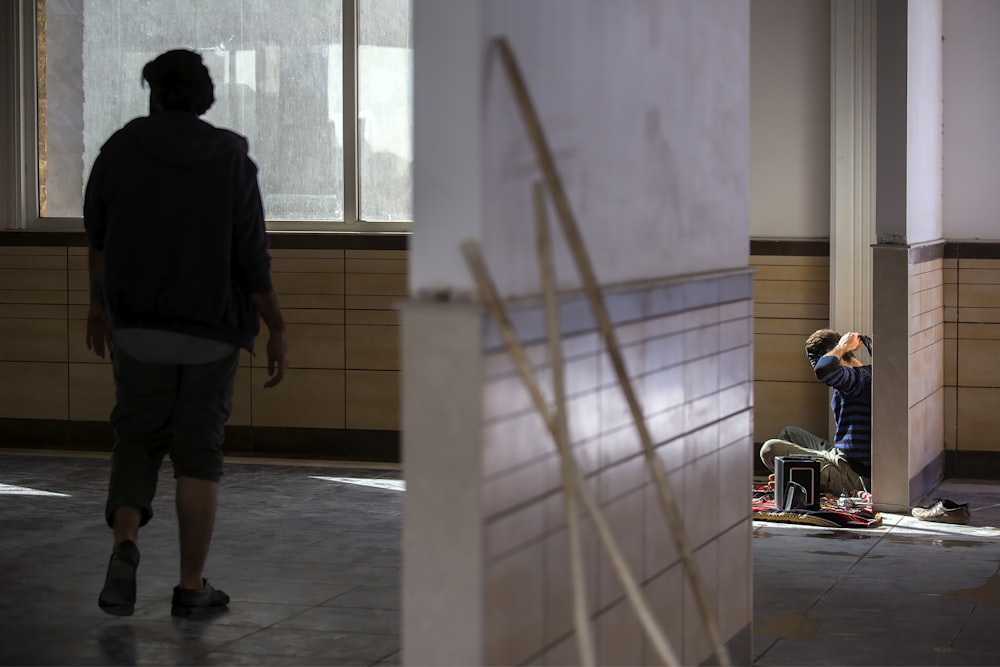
column 581, row 617
column 493, row 303
column 668, row 503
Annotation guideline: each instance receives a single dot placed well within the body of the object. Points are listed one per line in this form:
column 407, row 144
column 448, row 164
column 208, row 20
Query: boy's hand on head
column 850, row 341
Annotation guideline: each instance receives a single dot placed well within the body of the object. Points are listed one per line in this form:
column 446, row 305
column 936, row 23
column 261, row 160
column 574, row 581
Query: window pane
column 385, row 109
column 277, row 70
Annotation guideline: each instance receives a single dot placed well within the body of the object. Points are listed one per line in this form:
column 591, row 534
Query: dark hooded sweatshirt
column 174, row 205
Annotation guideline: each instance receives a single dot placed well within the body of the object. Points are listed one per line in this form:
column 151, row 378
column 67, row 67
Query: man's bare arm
column 277, row 342
column 849, row 342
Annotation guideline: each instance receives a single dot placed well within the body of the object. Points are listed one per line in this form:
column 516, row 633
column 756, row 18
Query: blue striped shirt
column 852, row 408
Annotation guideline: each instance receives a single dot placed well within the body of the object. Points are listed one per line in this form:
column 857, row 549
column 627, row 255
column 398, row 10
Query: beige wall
column 926, row 367
column 971, row 93
column 790, row 118
column 791, row 300
column 343, row 331
column 972, row 354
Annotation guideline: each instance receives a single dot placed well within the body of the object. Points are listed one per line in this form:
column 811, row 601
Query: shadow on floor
column 907, row 593
column 310, row 556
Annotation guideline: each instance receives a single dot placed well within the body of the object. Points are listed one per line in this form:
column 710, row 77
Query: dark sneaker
column 118, row 595
column 944, row 511
column 187, row 602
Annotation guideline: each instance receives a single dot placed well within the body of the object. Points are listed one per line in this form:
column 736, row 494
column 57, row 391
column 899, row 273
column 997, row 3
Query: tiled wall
column 343, row 332
column 791, row 300
column 972, row 354
column 954, row 340
column 692, row 372
column 926, row 365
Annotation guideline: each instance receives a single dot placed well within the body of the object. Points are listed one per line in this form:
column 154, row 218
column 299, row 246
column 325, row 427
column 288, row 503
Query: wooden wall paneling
column 375, row 282
column 33, row 390
column 91, row 391
column 373, row 400
column 32, row 338
column 33, row 333
column 307, row 398
column 315, row 338
column 310, row 288
column 978, row 419
column 781, row 404
column 791, row 300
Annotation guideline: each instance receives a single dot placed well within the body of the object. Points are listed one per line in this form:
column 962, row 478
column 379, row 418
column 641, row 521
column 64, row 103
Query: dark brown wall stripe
column 283, row 240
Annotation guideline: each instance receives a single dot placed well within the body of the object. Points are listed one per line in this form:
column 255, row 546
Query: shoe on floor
column 187, row 602
column 944, row 511
column 118, row 595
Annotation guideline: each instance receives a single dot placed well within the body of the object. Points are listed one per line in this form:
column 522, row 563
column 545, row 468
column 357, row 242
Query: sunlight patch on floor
column 11, row 490
column 392, row 484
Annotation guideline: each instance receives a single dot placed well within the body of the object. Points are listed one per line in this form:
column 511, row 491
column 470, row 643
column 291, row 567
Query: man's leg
column 836, row 474
column 196, row 502
column 140, row 419
column 772, row 449
column 125, row 524
column 144, row 395
column 203, row 405
column 804, row 438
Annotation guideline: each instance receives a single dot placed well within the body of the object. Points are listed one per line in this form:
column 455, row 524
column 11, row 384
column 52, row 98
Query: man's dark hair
column 180, row 81
column 821, row 342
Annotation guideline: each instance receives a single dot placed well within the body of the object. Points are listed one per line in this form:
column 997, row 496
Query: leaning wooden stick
column 575, row 242
column 581, row 617
column 493, row 303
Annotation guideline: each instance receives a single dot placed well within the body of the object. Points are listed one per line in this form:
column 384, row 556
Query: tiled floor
column 312, row 566
column 311, row 557
column 908, row 593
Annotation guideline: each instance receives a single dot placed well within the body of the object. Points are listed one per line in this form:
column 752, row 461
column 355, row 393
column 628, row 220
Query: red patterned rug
column 854, row 512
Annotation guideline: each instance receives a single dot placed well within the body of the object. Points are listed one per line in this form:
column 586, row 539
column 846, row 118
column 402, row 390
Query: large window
column 321, row 88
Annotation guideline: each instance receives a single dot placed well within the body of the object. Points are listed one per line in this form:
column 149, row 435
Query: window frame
column 30, row 148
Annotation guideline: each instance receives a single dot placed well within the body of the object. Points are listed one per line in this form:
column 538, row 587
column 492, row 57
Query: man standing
column 847, row 463
column 179, row 279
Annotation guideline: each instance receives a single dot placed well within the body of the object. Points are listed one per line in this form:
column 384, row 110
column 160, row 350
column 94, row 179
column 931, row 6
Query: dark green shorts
column 161, row 408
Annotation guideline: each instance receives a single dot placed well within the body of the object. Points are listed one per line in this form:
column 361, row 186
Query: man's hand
column 850, row 341
column 98, row 331
column 277, row 343
column 277, row 357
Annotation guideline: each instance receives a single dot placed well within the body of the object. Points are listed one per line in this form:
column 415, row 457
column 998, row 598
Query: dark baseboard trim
column 790, row 247
column 259, row 441
column 918, row 254
column 337, row 241
column 972, row 250
column 971, row 465
column 56, row 434
column 314, row 443
column 921, row 254
column 401, row 241
column 53, row 239
column 283, row 240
